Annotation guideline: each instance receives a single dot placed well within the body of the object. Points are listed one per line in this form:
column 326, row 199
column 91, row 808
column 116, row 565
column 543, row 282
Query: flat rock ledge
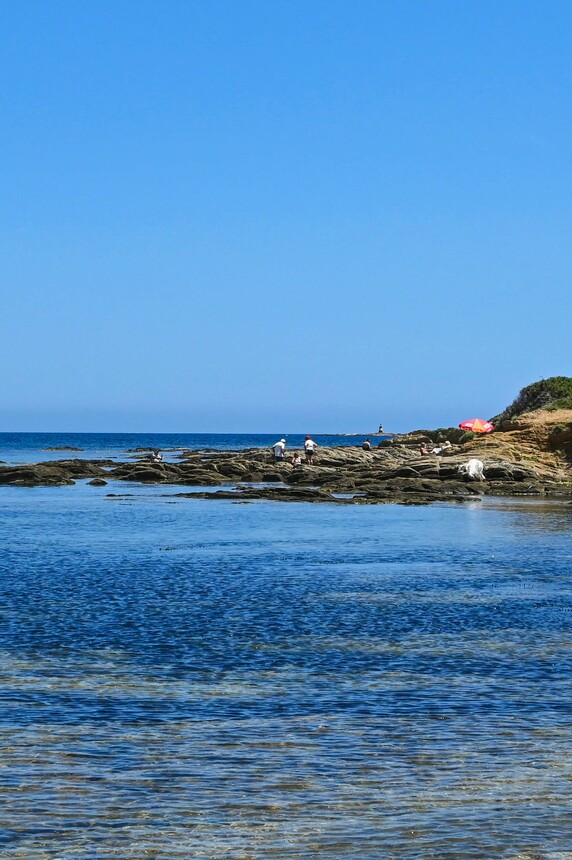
column 53, row 473
column 396, row 473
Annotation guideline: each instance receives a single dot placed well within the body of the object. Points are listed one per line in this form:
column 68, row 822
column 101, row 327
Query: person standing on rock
column 278, row 448
column 309, row 448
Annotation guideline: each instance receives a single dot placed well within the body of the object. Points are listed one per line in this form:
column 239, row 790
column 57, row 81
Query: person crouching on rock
column 278, row 448
column 296, row 459
column 309, row 447
column 366, row 445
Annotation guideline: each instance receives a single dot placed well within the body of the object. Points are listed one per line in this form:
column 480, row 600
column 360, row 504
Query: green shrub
column 468, row 436
column 563, row 403
column 551, row 394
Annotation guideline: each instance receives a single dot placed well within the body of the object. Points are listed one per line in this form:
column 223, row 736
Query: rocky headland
column 528, row 455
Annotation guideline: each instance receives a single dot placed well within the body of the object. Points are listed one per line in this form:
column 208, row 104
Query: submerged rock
column 63, row 448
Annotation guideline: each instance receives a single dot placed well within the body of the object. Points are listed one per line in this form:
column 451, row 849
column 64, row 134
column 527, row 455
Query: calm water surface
column 195, row 679
column 38, row 447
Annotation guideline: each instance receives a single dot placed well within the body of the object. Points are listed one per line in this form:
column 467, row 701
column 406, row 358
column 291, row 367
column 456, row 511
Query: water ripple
column 285, row 682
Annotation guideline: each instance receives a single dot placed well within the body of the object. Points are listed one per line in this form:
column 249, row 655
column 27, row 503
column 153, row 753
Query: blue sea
column 209, row 679
column 35, row 447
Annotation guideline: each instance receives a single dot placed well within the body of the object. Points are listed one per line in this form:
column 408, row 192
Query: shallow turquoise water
column 207, row 679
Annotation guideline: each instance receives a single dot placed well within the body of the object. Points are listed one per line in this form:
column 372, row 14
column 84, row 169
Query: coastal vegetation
column 550, row 394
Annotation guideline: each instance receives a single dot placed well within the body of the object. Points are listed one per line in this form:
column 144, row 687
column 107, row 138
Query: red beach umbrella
column 477, row 425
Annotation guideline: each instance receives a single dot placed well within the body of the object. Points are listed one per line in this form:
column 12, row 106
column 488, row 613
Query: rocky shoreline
column 532, row 458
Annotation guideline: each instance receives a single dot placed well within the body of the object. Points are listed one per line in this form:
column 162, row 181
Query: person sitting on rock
column 309, row 446
column 440, row 448
column 366, row 445
column 423, row 449
column 278, row 448
column 297, row 459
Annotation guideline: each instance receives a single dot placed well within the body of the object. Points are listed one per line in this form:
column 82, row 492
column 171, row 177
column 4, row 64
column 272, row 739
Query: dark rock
column 561, row 437
column 231, row 469
column 97, row 482
column 79, row 468
column 147, row 473
column 140, row 450
column 508, row 472
column 397, row 473
column 63, row 448
column 442, row 434
column 281, row 494
column 448, row 471
column 405, row 472
column 197, row 477
column 310, row 475
column 508, row 488
column 34, row 476
column 429, row 470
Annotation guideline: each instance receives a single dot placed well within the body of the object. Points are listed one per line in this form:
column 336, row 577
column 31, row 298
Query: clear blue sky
column 281, row 216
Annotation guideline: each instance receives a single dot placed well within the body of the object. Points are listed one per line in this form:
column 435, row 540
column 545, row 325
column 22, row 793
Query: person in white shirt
column 309, row 448
column 440, row 448
column 279, row 448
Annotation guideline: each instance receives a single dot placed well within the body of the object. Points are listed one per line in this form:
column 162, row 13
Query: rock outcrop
column 53, row 473
column 529, row 460
column 346, row 475
column 530, row 454
column 547, row 394
column 63, row 448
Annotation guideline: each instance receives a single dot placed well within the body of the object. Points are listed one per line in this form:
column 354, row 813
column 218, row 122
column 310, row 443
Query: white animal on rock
column 474, row 469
